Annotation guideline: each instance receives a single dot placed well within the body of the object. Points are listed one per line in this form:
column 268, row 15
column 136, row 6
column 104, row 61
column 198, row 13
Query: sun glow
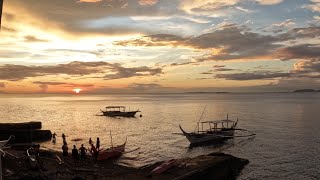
column 77, row 90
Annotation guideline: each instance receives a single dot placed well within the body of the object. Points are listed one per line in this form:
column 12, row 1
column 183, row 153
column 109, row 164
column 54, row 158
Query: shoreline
column 214, row 165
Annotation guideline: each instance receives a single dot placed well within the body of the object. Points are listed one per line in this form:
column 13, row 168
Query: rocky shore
column 211, row 166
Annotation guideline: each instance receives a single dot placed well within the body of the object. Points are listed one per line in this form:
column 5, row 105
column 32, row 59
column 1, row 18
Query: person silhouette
column 98, row 143
column 83, row 152
column 54, row 137
column 75, row 154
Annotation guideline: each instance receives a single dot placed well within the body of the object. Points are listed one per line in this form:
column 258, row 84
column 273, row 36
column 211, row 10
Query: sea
column 287, row 126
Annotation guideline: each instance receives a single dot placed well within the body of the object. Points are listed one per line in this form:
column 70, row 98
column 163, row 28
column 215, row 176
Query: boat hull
column 163, row 167
column 111, row 153
column 213, row 137
column 122, row 114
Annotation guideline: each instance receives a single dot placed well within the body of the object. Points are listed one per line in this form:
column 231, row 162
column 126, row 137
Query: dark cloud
column 252, row 76
column 8, row 29
column 33, row 39
column 237, row 42
column 45, row 85
column 184, row 63
column 299, row 33
column 94, row 52
column 221, row 68
column 307, row 66
column 155, row 40
column 234, row 41
column 122, row 72
column 217, row 68
column 303, row 51
column 138, row 88
column 8, row 16
column 19, row 72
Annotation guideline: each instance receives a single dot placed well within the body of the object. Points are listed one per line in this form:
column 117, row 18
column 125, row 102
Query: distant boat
column 216, row 131
column 112, row 152
column 118, row 111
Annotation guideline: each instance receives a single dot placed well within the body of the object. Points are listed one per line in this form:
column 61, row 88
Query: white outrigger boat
column 212, row 131
column 118, row 111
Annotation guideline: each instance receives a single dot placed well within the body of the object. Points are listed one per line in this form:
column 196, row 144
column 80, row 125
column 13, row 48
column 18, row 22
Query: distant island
column 306, row 90
column 204, row 92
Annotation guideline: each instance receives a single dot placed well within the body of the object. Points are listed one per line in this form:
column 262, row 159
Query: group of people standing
column 81, row 152
column 95, row 149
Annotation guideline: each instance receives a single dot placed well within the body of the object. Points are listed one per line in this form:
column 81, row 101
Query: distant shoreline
column 166, row 93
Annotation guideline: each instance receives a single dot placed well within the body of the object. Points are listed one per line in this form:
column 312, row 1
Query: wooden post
column 202, row 127
column 111, row 140
column 1, row 4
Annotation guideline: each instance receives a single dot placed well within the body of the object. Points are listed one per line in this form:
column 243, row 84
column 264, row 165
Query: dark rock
column 24, row 125
column 305, row 90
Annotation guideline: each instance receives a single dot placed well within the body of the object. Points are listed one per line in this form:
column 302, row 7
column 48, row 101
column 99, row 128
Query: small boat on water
column 211, row 131
column 164, row 166
column 118, row 111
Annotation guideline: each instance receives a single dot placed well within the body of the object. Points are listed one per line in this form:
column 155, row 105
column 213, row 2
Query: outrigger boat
column 211, row 131
column 112, row 152
column 118, row 111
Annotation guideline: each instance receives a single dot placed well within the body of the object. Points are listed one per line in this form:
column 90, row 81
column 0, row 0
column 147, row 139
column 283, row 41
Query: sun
column 77, row 90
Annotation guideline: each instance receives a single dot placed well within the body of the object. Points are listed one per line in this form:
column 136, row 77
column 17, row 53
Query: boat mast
column 227, row 120
column 199, row 120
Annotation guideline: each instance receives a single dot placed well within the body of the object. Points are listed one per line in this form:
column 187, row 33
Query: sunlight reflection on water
column 286, row 145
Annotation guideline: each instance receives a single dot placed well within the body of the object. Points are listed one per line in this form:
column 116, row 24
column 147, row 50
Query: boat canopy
column 219, row 121
column 109, row 107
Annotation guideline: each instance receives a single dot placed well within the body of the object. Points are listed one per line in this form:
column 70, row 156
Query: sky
column 159, row 46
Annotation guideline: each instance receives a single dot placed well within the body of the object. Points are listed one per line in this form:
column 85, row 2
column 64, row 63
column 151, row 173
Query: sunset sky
column 152, row 46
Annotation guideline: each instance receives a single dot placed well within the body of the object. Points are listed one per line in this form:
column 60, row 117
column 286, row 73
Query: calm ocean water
column 287, row 125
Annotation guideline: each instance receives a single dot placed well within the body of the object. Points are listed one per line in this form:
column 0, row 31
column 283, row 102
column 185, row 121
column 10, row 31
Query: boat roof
column 115, row 107
column 219, row 121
